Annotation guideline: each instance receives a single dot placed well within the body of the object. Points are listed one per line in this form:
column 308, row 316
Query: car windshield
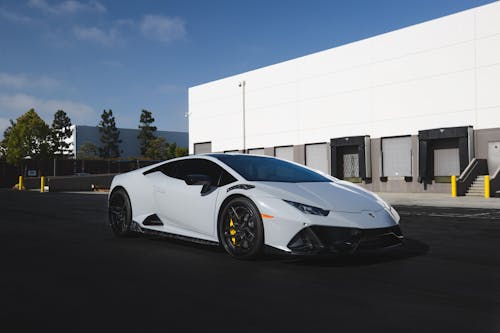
column 258, row 168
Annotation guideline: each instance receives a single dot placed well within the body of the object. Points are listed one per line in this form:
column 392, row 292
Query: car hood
column 335, row 196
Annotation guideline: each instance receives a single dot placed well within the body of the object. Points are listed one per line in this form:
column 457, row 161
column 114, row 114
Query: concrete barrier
column 71, row 183
column 80, row 183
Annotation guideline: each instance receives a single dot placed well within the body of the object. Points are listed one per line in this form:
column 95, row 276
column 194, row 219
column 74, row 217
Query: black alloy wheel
column 120, row 213
column 240, row 229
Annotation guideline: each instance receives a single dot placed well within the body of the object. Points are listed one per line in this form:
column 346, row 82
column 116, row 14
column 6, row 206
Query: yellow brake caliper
column 232, row 231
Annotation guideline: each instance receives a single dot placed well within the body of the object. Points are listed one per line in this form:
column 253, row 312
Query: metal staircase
column 477, row 188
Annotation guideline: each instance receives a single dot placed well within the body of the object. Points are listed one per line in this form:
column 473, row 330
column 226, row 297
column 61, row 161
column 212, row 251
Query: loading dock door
column 396, row 157
column 437, row 154
column 350, row 167
column 317, row 156
column 257, row 151
column 493, row 157
column 203, row 148
column 446, row 162
column 285, row 153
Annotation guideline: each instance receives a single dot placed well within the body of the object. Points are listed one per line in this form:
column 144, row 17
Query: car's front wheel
column 240, row 228
column 120, row 213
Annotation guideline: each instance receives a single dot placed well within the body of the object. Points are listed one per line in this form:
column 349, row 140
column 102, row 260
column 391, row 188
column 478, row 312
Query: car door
column 182, row 205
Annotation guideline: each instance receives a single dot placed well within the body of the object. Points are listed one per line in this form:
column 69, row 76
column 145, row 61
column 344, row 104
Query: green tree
column 146, row 133
column 180, row 151
column 110, row 136
column 171, row 147
column 157, row 149
column 27, row 137
column 88, row 150
column 60, row 133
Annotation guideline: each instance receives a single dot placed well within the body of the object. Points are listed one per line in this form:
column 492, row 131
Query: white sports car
column 246, row 202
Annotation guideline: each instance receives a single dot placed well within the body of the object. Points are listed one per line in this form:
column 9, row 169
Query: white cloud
column 155, row 27
column 13, row 106
column 97, row 35
column 20, row 81
column 14, row 17
column 163, row 28
column 67, row 7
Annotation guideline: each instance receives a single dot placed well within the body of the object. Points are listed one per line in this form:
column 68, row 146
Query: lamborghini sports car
column 248, row 202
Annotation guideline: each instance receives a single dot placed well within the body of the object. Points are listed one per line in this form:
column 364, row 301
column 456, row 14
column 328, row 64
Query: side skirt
column 135, row 227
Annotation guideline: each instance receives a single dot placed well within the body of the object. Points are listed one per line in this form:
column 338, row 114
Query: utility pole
column 242, row 84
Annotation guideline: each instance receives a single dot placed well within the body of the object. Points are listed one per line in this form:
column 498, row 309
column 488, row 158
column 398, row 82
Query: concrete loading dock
column 423, row 101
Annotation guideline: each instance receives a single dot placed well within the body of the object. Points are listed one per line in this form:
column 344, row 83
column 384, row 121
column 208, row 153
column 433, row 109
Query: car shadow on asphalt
column 411, row 248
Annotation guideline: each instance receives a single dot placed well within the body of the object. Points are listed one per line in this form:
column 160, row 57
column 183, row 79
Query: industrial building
column 402, row 111
column 130, row 145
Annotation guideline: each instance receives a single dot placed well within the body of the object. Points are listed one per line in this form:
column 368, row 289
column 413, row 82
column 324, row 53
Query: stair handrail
column 467, row 169
column 475, row 168
column 495, row 174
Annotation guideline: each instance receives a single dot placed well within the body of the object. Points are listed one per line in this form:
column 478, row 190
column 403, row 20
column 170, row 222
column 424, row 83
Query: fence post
column 487, row 186
column 454, row 186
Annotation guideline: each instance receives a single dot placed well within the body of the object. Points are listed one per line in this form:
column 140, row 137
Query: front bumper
column 325, row 239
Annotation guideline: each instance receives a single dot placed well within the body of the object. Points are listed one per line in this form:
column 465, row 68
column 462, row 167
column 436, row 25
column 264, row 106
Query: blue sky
column 85, row 56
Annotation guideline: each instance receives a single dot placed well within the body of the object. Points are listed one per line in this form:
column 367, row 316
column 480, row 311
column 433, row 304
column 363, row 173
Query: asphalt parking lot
column 61, row 269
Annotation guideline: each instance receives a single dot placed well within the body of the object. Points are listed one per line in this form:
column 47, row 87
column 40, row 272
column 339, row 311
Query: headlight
column 306, row 209
column 391, row 211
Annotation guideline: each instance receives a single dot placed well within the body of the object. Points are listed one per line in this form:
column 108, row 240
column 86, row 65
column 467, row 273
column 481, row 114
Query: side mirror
column 198, row 179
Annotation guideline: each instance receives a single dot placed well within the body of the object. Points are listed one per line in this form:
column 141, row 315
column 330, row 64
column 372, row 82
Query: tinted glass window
column 171, row 169
column 226, row 178
column 257, row 168
column 180, row 169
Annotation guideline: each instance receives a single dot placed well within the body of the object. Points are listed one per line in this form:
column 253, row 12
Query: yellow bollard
column 20, row 184
column 486, row 186
column 454, row 186
column 42, row 184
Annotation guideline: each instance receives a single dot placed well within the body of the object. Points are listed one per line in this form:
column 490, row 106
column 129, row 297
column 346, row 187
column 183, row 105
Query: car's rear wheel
column 240, row 229
column 120, row 213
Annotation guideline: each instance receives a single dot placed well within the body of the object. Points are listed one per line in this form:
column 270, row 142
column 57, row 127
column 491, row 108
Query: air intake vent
column 152, row 220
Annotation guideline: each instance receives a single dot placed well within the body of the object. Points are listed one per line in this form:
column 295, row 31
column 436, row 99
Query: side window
column 200, row 166
column 171, row 169
column 226, row 178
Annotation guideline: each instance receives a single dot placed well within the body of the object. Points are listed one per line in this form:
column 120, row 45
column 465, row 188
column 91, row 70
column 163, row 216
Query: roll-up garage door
column 203, row 148
column 446, row 162
column 396, row 157
column 256, row 151
column 493, row 157
column 285, row 153
column 317, row 156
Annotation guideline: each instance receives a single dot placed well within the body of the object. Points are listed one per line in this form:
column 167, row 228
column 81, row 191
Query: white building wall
column 441, row 73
